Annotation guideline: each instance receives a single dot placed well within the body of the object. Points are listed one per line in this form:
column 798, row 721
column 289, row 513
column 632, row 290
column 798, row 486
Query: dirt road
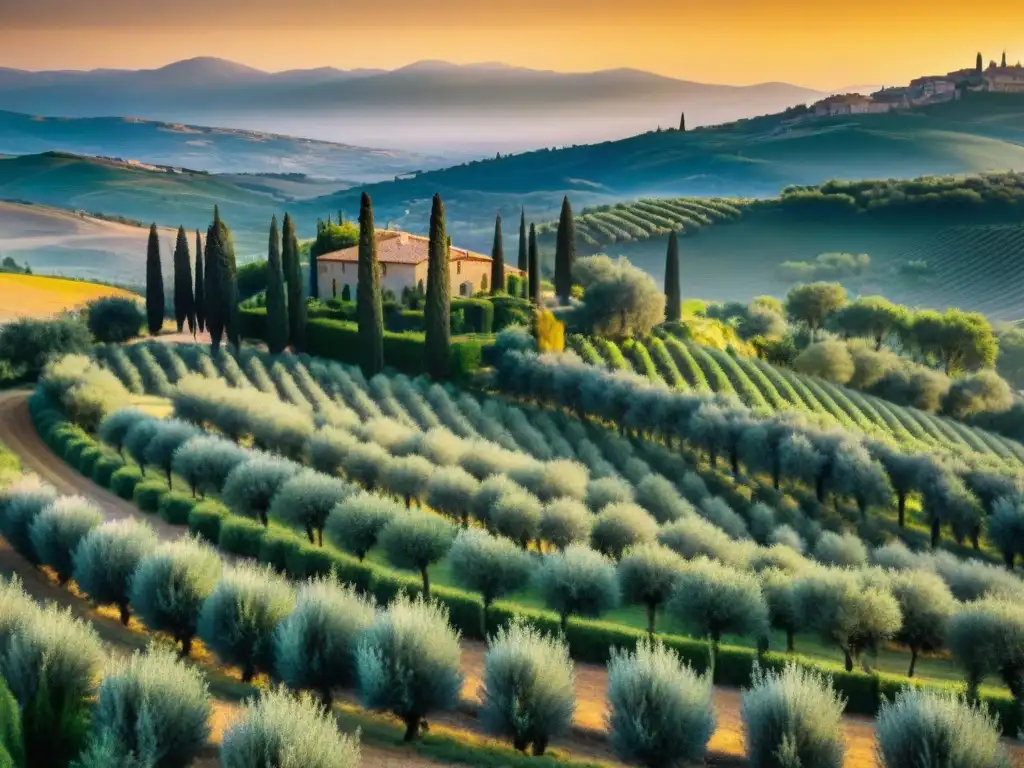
column 18, row 433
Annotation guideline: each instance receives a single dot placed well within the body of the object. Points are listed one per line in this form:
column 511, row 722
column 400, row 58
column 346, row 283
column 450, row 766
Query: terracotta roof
column 400, row 248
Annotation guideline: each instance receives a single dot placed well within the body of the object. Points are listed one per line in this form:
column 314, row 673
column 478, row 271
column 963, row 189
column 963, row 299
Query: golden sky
column 817, row 43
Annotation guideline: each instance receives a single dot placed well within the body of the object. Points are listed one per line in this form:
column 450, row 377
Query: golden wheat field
column 37, row 296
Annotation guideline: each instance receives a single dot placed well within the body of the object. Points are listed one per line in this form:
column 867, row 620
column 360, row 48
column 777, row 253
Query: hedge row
column 590, row 641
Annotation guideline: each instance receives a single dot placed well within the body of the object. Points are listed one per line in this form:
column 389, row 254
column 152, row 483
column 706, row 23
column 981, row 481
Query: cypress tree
column 673, row 303
column 199, row 299
column 277, row 316
column 524, row 259
column 293, row 279
column 498, row 260
column 183, row 299
column 369, row 311
column 314, row 251
column 221, row 289
column 154, row 284
column 565, row 252
column 1003, row 65
column 979, row 65
column 534, row 278
column 438, row 300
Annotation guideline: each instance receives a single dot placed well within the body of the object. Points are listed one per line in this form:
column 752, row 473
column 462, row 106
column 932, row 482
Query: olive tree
column 814, row 303
column 693, row 536
column 364, row 464
column 843, row 550
column 564, row 522
column 620, row 526
column 136, row 440
column 793, row 717
column 306, row 499
column 516, row 514
column 417, row 541
column 408, row 662
column 315, row 645
column 487, row 495
column 106, row 559
column 607, row 490
column 828, row 359
column 919, row 724
column 781, row 600
column 490, row 565
column 647, row 576
column 619, row 300
column 21, row 503
column 717, row 511
column 451, row 491
column 114, row 429
column 871, row 317
column 206, row 461
column 252, row 485
column 1006, row 528
column 926, row 606
column 845, row 611
column 529, row 692
column 714, row 599
column 169, row 436
column 281, row 729
column 578, row 581
column 151, row 708
column 660, row 712
column 239, row 618
column 987, row 637
column 57, row 531
column 327, row 448
column 659, row 497
column 407, row 477
column 355, row 524
column 170, row 586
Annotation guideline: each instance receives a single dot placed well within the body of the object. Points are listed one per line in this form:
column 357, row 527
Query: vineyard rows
column 650, row 217
column 761, row 386
column 980, row 268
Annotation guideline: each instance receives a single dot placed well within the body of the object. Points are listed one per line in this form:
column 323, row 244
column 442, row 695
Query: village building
column 1004, row 79
column 403, row 261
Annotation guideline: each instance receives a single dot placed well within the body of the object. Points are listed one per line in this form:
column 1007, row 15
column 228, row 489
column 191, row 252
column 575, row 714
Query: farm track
column 587, row 741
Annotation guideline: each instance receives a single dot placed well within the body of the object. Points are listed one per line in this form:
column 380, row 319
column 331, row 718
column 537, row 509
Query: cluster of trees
column 210, row 302
column 619, row 300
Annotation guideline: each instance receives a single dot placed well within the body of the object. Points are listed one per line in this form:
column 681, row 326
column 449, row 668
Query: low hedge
column 511, row 310
column 174, row 507
column 241, row 536
column 205, row 520
column 124, row 480
column 148, row 494
column 478, row 314
column 87, row 460
column 104, row 469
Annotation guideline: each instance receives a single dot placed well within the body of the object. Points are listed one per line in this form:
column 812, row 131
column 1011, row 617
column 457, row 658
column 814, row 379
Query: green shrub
column 239, row 618
column 792, row 718
column 274, row 548
column 919, row 729
column 241, row 536
column 479, row 314
column 33, row 343
column 104, row 469
column 661, row 713
column 315, row 645
column 148, row 495
column 106, row 559
column 12, row 747
column 170, row 586
column 285, row 730
column 150, row 708
column 57, row 531
column 114, row 319
column 87, row 460
column 205, row 519
column 124, row 480
column 529, row 691
column 174, row 507
column 408, row 663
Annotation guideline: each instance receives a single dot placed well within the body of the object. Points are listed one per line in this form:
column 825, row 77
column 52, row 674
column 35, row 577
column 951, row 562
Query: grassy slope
column 749, row 158
column 35, row 296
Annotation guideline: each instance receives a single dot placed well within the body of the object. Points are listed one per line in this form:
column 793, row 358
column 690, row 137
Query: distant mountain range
column 432, row 105
column 217, row 150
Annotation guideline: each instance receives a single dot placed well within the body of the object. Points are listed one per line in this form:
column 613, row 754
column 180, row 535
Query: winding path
column 19, row 434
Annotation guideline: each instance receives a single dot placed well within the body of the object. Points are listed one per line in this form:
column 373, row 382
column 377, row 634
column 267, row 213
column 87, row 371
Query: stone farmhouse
column 403, row 265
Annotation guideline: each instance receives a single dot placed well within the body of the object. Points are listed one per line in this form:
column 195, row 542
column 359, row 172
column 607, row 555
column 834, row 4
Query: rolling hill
column 217, row 150
column 479, row 108
column 35, row 296
column 749, row 158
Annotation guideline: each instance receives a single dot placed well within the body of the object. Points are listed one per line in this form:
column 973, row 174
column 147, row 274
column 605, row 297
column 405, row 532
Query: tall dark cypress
column 565, row 252
column 293, row 279
column 277, row 315
column 199, row 299
column 498, row 260
column 369, row 311
column 673, row 302
column 154, row 284
column 314, row 252
column 524, row 258
column 534, row 278
column 221, row 288
column 184, row 308
column 437, row 306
